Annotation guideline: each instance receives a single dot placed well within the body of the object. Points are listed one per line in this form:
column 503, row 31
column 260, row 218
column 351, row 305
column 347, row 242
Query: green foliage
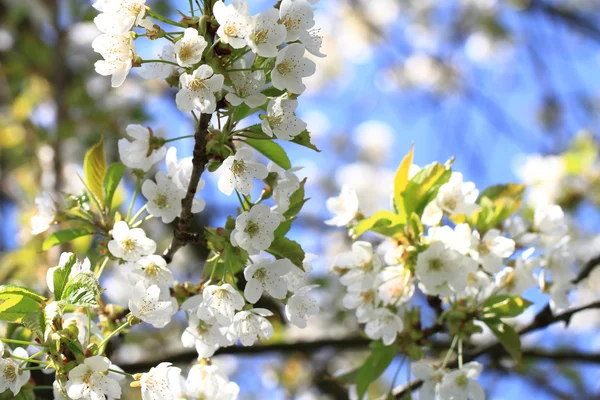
column 82, row 291
column 380, row 358
column 272, row 151
column 504, row 306
column 231, row 259
column 285, row 248
column 303, row 139
column 422, row 188
column 64, row 236
column 401, row 180
column 111, row 182
column 61, row 277
column 17, row 302
column 384, row 222
column 497, row 203
column 507, row 336
column 35, row 322
column 94, row 169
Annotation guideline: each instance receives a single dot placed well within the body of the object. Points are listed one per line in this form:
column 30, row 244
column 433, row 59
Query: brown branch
column 587, row 269
column 543, row 319
column 351, row 343
column 576, row 21
column 181, row 235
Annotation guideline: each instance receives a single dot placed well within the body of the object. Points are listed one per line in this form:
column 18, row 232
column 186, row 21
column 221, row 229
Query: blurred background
column 508, row 87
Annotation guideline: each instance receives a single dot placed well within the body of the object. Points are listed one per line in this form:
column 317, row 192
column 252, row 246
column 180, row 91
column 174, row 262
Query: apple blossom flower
column 197, row 90
column 280, row 120
column 254, row 229
column 130, row 12
column 151, row 270
column 313, row 41
column 152, row 305
column 290, row 67
column 107, row 23
column 46, row 212
column 550, row 220
column 439, row 265
column 160, row 70
column 118, row 52
column 164, row 197
column 67, row 260
column 238, row 170
column 358, row 267
column 233, row 22
column 265, row 33
column 246, row 87
column 460, row 384
column 144, row 151
column 252, row 324
column 394, row 285
column 385, row 325
column 431, row 378
column 205, row 335
column 85, row 327
column 297, row 16
column 12, row 375
column 189, row 49
column 344, row 206
column 220, row 302
column 287, row 183
column 209, row 382
column 300, row 306
column 296, row 278
column 130, row 244
column 90, row 380
column 492, row 250
column 266, row 275
column 462, row 238
column 454, row 197
column 180, row 172
column 158, row 383
column 363, row 301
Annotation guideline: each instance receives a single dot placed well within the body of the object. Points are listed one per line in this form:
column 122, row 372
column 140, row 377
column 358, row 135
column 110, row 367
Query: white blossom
column 359, row 267
column 197, row 90
column 431, row 377
column 144, row 151
column 46, row 212
column 344, row 206
column 313, row 41
column 12, row 375
column 90, row 380
column 118, row 52
column 160, row 70
column 64, row 261
column 265, row 33
column 266, row 275
column 297, row 16
column 300, row 306
column 189, row 49
column 238, row 170
column 130, row 244
column 151, row 270
column 164, row 197
column 233, row 22
column 251, row 325
column 128, row 12
column 159, row 382
column 363, row 302
column 461, row 238
column 246, row 87
column 180, row 172
column 287, row 183
column 296, row 278
column 205, row 335
column 385, row 325
column 492, row 250
column 208, row 382
column 254, row 229
column 220, row 302
column 152, row 305
column 281, row 120
column 520, row 278
column 394, row 285
column 550, row 220
column 290, row 67
column 454, row 197
column 85, row 327
column 460, row 384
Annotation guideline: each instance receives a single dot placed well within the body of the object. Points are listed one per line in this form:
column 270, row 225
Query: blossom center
column 10, row 372
column 230, row 30
column 260, row 36
column 151, row 270
column 128, row 244
column 161, row 200
column 435, row 264
column 186, row 51
column 197, row 84
column 461, row 380
column 252, row 228
column 238, row 167
column 285, row 68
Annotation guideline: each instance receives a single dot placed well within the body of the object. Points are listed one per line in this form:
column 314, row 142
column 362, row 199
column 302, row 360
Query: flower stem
column 31, row 360
column 248, row 69
column 101, row 268
column 460, row 353
column 113, row 334
column 137, row 215
column 41, row 367
column 158, row 61
column 179, row 138
column 116, row 371
column 138, row 184
column 450, row 350
column 23, row 342
column 214, row 44
column 159, row 17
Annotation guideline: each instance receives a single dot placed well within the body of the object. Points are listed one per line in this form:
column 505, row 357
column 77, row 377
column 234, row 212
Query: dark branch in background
column 543, row 319
column 576, row 21
column 181, row 235
column 587, row 269
column 351, row 343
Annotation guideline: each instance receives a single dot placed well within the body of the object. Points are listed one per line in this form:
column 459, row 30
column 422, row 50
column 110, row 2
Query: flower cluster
column 446, row 240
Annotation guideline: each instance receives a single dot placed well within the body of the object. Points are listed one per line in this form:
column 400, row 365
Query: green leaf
column 504, row 306
column 272, row 151
column 401, row 180
column 497, row 203
column 283, row 228
column 94, row 169
column 81, row 291
column 303, row 139
column 111, row 182
column 374, row 366
column 508, row 337
column 383, row 222
column 422, row 188
column 17, row 302
column 36, row 323
column 61, row 277
column 297, row 201
column 64, row 236
column 285, row 248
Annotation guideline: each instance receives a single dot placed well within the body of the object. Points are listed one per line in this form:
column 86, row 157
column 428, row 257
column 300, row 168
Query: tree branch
column 349, row 343
column 543, row 319
column 576, row 21
column 587, row 269
column 181, row 235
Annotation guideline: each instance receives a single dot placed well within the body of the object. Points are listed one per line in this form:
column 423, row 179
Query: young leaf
column 61, row 276
column 22, row 291
column 401, row 180
column 36, row 323
column 384, row 222
column 94, row 169
column 508, row 337
column 375, row 365
column 272, row 151
column 297, row 201
column 81, row 291
column 64, row 236
column 423, row 187
column 111, row 182
column 15, row 305
column 285, row 248
column 504, row 306
column 303, row 139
